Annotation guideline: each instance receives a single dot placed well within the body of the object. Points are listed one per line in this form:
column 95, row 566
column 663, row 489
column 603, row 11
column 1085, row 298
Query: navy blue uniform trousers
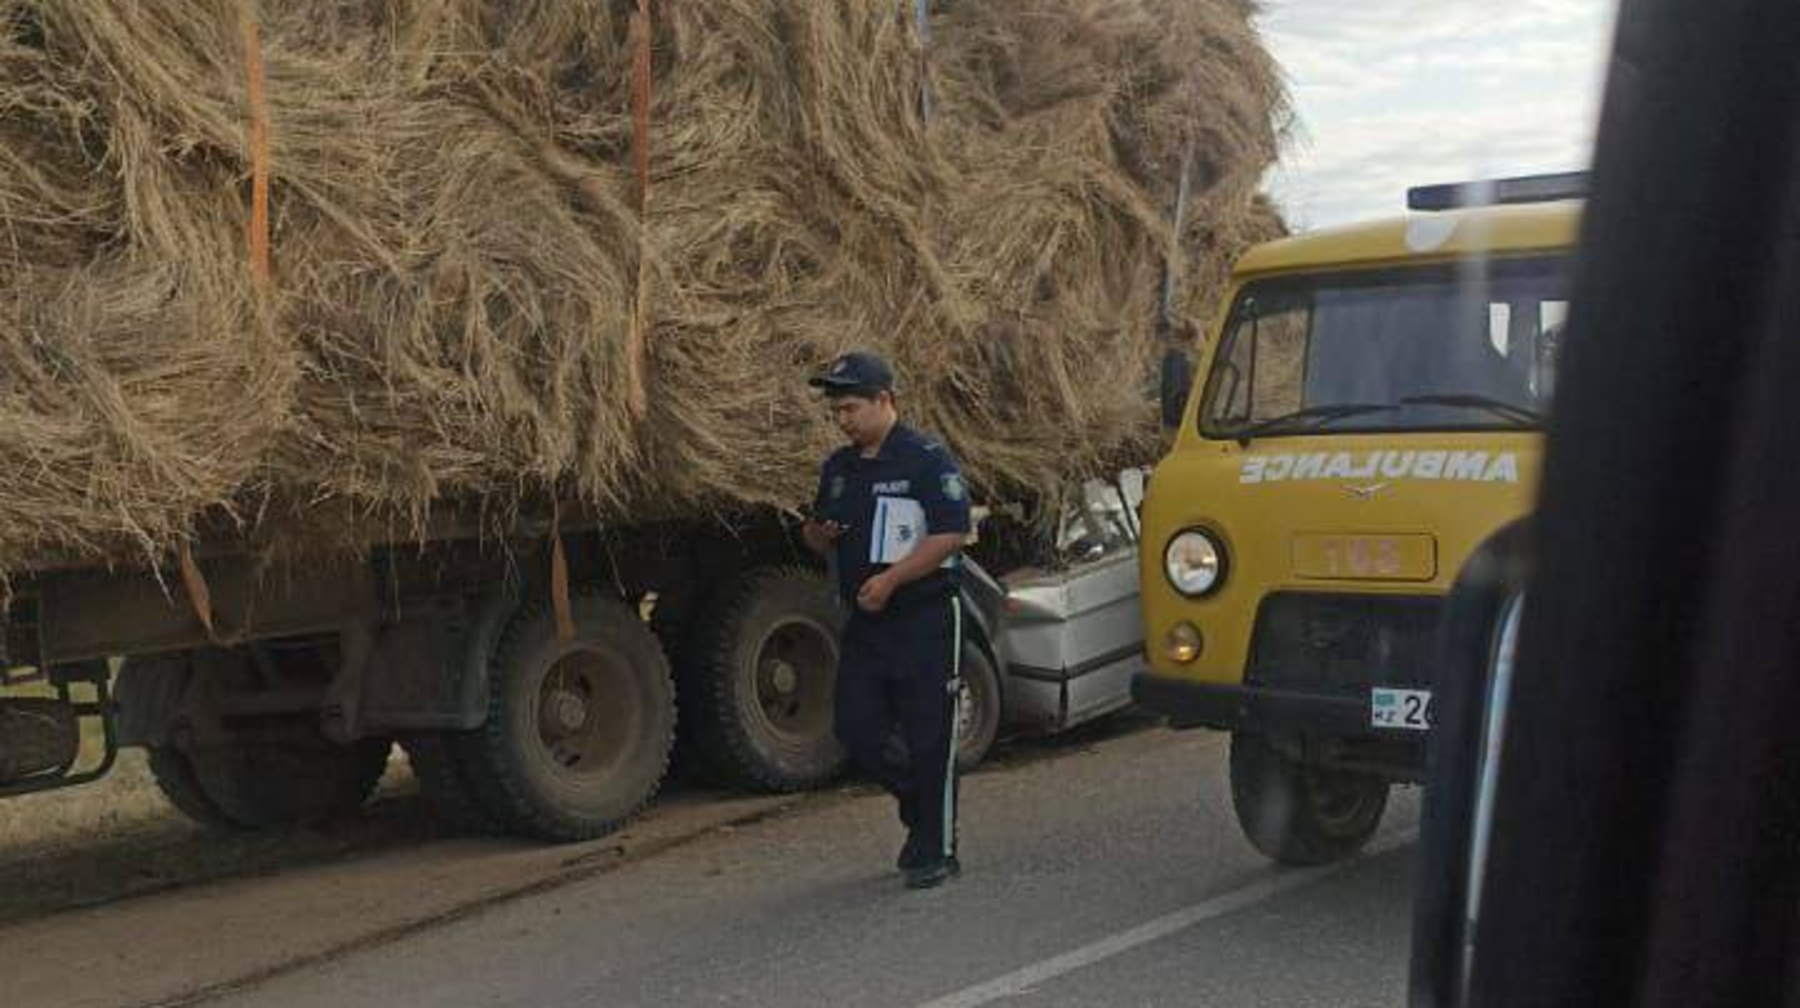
column 897, row 687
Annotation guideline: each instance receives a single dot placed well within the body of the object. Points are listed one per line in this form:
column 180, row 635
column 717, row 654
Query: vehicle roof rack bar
column 1495, row 192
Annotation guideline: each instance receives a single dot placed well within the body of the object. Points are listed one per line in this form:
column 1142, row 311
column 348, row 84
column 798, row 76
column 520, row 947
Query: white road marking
column 1023, row 981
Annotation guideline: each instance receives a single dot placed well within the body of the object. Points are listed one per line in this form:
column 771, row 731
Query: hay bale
column 460, row 251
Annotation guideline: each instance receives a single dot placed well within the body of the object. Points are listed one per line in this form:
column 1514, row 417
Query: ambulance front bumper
column 1286, row 711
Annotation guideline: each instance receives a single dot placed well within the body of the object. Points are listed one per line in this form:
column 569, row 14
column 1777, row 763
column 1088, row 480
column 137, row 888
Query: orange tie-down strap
column 257, row 237
column 199, row 595
column 255, row 82
column 637, row 398
column 559, row 580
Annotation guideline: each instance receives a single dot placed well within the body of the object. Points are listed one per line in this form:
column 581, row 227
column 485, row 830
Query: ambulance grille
column 1344, row 643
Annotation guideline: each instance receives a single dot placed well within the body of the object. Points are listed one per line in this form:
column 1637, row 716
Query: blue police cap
column 856, row 372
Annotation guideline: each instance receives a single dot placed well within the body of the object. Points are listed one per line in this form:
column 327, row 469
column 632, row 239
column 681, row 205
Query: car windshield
column 1417, row 349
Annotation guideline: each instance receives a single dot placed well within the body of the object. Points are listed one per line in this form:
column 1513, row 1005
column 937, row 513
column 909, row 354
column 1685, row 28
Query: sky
column 1395, row 93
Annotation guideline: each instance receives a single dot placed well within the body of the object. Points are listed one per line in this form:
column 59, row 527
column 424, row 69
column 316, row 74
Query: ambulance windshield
column 1423, row 348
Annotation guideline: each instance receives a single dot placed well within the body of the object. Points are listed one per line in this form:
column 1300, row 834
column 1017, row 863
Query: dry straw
column 459, row 247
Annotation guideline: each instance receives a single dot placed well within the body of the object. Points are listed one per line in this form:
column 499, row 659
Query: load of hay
column 471, row 293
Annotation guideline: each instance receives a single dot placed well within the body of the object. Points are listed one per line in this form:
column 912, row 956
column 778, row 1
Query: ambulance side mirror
column 1177, row 382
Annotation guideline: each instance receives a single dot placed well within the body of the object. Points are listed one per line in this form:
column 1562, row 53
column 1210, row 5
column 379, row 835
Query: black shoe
column 912, row 855
column 932, row 874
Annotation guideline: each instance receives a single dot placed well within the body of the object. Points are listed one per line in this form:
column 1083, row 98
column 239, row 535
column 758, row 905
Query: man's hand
column 873, row 596
column 928, row 557
column 820, row 536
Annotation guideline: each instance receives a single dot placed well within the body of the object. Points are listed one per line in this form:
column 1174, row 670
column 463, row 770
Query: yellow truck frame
column 1368, row 418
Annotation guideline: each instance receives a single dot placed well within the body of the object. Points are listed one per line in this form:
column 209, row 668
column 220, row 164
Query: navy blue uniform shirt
column 888, row 504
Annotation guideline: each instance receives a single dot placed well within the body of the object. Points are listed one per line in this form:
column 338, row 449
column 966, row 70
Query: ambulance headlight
column 1195, row 563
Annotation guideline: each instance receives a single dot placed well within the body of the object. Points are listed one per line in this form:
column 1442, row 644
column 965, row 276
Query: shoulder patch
column 952, row 485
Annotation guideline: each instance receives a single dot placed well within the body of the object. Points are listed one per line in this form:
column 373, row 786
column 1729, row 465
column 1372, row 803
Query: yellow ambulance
column 1369, row 414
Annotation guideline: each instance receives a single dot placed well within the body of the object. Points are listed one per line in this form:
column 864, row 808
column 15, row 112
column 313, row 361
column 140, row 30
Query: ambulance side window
column 1262, row 370
column 1525, row 333
column 1229, row 395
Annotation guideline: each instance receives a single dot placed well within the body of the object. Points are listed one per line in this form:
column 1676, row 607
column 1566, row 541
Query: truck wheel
column 444, row 784
column 175, row 778
column 285, row 782
column 1298, row 814
column 146, row 693
column 762, row 681
column 978, row 708
column 578, row 734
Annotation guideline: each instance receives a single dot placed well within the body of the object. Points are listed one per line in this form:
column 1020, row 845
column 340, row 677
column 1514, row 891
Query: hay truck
column 434, row 374
column 1368, row 420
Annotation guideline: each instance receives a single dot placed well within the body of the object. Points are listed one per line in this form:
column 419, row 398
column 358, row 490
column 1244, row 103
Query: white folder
column 899, row 527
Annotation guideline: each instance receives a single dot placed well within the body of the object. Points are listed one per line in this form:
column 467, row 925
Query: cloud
column 1373, row 25
column 1362, row 167
column 1393, row 93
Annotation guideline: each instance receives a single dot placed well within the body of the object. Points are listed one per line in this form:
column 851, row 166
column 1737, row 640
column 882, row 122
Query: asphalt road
column 1105, row 873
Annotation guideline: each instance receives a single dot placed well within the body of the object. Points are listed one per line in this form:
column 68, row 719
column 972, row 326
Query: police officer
column 893, row 514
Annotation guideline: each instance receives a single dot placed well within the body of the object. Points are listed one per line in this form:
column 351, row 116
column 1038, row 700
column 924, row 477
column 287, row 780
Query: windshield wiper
column 1318, row 416
column 1472, row 400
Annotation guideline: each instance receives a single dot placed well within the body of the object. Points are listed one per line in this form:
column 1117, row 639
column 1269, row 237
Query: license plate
column 1319, row 557
column 1400, row 709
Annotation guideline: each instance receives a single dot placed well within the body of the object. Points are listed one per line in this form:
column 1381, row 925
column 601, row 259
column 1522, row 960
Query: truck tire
column 978, row 709
column 675, row 621
column 282, row 782
column 761, row 678
column 443, row 784
column 175, row 778
column 147, row 694
column 1298, row 814
column 578, row 734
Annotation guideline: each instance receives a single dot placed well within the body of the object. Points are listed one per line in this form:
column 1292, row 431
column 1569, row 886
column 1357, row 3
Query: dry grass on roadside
column 117, row 838
column 125, row 800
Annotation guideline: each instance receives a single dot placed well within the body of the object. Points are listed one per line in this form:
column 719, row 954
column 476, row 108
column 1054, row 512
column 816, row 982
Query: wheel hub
column 795, row 666
column 569, row 709
column 586, row 715
column 783, row 677
column 1337, row 796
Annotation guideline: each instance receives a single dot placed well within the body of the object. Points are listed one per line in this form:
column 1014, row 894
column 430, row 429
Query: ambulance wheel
column 978, row 708
column 578, row 732
column 760, row 682
column 1298, row 814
